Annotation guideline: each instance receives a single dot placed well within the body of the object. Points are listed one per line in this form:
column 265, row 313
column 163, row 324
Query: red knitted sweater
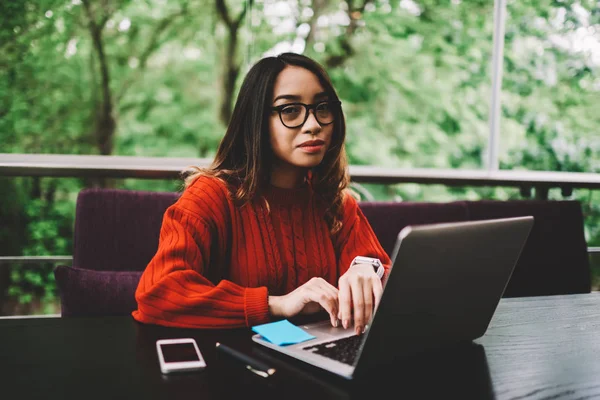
column 217, row 263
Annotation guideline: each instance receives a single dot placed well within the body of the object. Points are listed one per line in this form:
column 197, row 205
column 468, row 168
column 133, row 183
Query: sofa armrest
column 85, row 292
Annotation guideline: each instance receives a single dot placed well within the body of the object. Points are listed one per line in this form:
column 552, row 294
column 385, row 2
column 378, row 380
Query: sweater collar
column 277, row 196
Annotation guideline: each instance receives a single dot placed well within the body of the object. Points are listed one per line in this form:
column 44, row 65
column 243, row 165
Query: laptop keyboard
column 343, row 350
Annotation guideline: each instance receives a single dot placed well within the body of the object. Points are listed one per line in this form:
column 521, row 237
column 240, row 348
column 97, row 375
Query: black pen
column 252, row 364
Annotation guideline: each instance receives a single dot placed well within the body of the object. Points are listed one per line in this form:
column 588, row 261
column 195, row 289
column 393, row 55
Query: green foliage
column 551, row 87
column 44, row 223
column 33, row 288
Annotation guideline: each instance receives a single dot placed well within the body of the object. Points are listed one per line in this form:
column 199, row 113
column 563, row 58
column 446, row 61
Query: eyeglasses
column 294, row 115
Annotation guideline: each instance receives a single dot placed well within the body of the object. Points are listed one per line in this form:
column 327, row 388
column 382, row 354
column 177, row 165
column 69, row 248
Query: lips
column 312, row 143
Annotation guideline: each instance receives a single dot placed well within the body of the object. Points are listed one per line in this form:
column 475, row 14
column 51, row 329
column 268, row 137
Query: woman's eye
column 291, row 110
column 323, row 107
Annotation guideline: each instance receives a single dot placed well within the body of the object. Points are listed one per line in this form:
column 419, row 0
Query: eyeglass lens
column 295, row 115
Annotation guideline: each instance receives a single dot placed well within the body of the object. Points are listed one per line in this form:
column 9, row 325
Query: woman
column 269, row 231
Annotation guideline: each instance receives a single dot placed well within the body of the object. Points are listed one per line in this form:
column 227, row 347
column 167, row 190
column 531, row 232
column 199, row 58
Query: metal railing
column 59, row 165
column 83, row 166
column 6, row 260
column 38, row 259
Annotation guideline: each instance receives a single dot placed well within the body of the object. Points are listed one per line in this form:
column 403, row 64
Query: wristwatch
column 375, row 262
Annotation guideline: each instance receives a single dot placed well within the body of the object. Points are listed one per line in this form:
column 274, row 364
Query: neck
column 287, row 178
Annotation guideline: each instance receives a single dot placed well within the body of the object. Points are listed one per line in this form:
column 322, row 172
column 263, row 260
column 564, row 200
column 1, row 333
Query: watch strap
column 375, row 262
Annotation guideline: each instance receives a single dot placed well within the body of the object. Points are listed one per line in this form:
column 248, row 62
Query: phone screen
column 179, row 352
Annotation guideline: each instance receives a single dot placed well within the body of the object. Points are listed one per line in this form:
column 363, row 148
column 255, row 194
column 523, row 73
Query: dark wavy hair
column 244, row 158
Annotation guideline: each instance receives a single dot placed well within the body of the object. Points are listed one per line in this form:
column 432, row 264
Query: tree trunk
column 230, row 75
column 354, row 14
column 317, row 7
column 104, row 123
column 232, row 68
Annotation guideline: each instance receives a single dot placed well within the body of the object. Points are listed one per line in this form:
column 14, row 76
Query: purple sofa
column 116, row 235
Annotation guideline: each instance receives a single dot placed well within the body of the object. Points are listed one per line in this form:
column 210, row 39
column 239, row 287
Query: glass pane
column 551, row 86
column 37, row 219
column 413, row 76
column 595, row 267
column 28, row 288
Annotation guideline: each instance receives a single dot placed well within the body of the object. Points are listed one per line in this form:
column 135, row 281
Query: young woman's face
column 297, row 145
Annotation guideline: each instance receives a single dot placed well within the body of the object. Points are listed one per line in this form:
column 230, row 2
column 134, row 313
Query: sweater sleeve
column 174, row 289
column 356, row 238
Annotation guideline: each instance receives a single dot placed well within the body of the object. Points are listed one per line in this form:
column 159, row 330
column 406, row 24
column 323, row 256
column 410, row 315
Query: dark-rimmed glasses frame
column 334, row 106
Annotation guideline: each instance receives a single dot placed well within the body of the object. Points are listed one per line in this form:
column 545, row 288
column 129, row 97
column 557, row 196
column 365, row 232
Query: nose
column 311, row 125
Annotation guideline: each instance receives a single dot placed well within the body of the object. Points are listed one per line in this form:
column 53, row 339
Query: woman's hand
column 360, row 291
column 315, row 295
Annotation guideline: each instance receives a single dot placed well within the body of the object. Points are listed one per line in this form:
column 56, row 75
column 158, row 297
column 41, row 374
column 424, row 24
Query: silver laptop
column 443, row 289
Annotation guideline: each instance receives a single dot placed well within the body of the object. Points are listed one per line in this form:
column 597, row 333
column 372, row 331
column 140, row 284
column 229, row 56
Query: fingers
column 368, row 304
column 362, row 302
column 326, row 295
column 345, row 302
column 332, row 299
column 354, row 301
column 377, row 292
column 358, row 298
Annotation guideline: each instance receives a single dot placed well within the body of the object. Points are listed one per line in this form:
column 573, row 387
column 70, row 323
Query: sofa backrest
column 116, row 235
column 554, row 259
column 388, row 218
column 117, row 230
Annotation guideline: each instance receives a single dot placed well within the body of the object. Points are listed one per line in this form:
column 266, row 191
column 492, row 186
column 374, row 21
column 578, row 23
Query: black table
column 537, row 347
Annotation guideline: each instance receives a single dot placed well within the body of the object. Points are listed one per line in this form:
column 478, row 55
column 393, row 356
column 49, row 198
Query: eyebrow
column 296, row 97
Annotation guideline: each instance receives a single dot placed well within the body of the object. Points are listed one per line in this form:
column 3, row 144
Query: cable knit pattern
column 281, row 222
column 217, row 263
column 302, row 266
column 270, row 246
